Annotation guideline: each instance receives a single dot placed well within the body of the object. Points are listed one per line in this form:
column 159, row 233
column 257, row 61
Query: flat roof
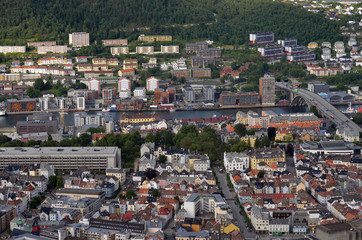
column 79, row 191
column 58, row 150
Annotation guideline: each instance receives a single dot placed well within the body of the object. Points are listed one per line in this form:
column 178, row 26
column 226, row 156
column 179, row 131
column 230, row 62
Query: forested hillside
column 227, row 21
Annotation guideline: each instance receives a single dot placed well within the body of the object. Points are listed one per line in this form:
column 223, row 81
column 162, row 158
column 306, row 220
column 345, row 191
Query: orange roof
column 237, row 177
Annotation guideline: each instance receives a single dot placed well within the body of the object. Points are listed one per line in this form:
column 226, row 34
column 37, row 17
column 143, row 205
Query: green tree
column 261, row 174
column 32, row 93
column 93, row 130
column 156, row 193
column 150, row 138
column 35, row 202
column 131, row 194
column 162, row 159
column 357, row 118
column 60, row 183
column 265, row 141
column 240, row 129
column 53, row 181
column 85, row 139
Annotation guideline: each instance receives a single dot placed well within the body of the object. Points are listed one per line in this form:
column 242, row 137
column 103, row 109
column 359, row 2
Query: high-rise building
column 262, row 38
column 189, row 94
column 79, row 39
column 267, row 90
column 152, row 83
column 124, row 84
column 208, row 93
column 109, row 93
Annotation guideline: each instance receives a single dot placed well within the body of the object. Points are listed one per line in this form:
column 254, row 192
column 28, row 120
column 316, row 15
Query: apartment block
column 79, row 39
column 12, row 49
column 52, row 49
column 114, row 42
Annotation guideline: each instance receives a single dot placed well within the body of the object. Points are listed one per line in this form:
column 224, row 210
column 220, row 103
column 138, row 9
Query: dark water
column 10, row 120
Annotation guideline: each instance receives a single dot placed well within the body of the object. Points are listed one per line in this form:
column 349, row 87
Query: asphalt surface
column 230, row 199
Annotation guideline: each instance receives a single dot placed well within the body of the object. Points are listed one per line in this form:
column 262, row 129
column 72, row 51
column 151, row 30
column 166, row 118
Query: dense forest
column 226, row 21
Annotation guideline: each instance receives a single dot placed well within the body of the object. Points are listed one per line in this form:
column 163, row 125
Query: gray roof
column 57, row 150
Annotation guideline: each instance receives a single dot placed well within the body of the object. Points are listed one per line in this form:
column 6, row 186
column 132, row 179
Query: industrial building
column 62, row 158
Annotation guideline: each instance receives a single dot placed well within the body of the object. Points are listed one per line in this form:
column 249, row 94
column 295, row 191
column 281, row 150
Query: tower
column 267, row 90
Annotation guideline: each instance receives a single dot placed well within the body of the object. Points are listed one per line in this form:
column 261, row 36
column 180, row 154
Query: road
column 230, row 199
column 324, row 107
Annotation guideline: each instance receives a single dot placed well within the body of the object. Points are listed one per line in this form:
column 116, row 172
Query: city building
column 189, row 94
column 288, row 42
column 109, row 93
column 202, row 62
column 271, row 51
column 195, row 47
column 261, row 38
column 145, row 50
column 155, row 38
column 62, row 157
column 209, row 53
column 197, row 203
column 235, row 161
column 170, row 49
column 119, row 50
column 52, row 49
column 318, row 87
column 339, row 230
column 114, row 42
column 152, row 84
column 24, row 105
column 124, row 88
column 79, row 39
column 267, row 90
column 37, row 44
column 130, row 63
column 40, row 122
column 335, row 147
column 201, row 72
column 139, row 92
column 268, row 155
column 126, row 72
column 12, row 49
column 239, row 99
column 208, row 93
column 94, row 85
column 137, row 118
column 300, row 57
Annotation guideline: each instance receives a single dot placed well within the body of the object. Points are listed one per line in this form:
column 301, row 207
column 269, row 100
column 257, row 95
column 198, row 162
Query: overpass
column 345, row 127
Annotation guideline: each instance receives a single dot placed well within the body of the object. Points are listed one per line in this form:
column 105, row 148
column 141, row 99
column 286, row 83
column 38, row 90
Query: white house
column 235, row 161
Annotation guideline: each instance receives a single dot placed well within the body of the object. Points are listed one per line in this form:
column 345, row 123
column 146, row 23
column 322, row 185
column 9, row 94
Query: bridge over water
column 345, row 127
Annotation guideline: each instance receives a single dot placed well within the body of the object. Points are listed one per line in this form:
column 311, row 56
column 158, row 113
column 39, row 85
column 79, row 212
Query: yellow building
column 252, row 140
column 269, row 156
column 284, row 135
column 155, row 38
column 242, row 117
column 116, row 172
column 137, row 118
column 313, row 45
column 112, row 62
column 229, row 228
column 85, row 67
column 99, row 61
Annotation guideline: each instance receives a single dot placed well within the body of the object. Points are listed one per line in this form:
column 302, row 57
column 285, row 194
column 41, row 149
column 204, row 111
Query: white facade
column 94, row 84
column 170, row 49
column 145, row 49
column 202, row 202
column 201, row 165
column 119, row 50
column 236, row 161
column 12, row 49
column 79, row 39
column 124, row 84
column 53, row 49
column 80, row 103
column 152, row 84
column 139, row 92
column 124, row 94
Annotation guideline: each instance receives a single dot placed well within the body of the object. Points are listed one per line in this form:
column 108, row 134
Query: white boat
column 2, row 113
column 350, row 109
